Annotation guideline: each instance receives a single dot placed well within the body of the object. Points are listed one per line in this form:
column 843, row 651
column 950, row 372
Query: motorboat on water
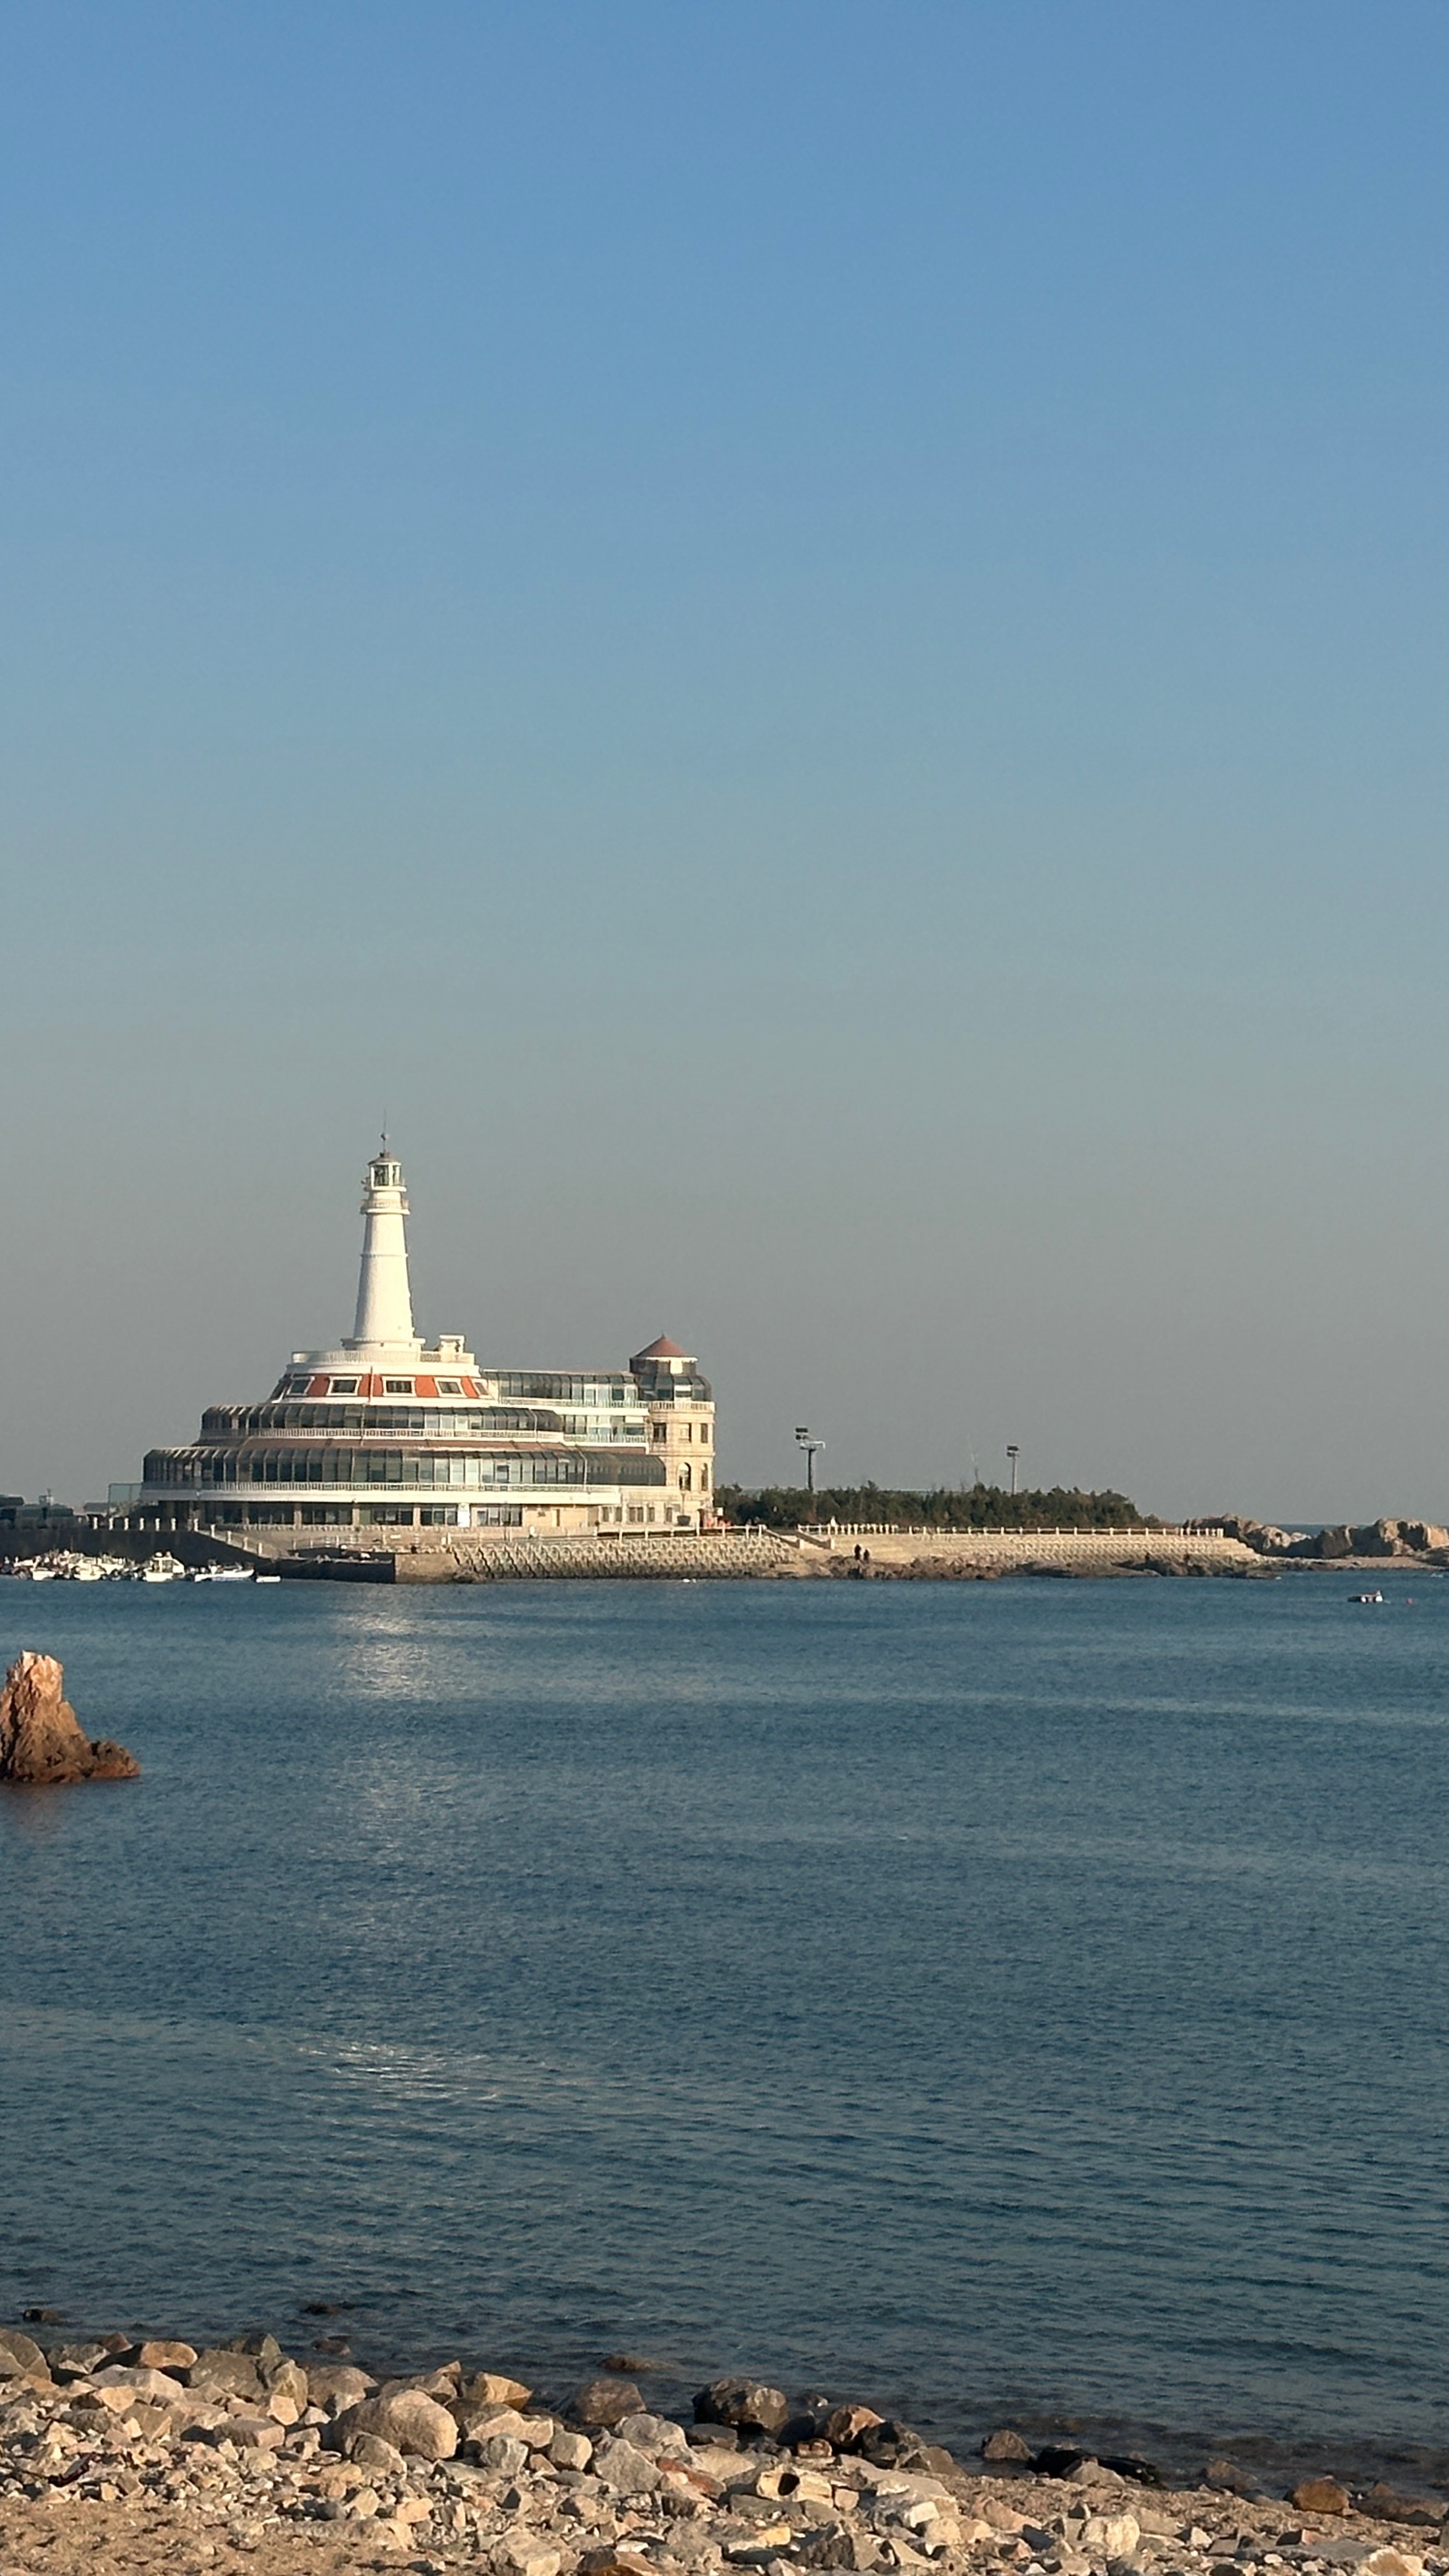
column 224, row 1574
column 1365, row 1597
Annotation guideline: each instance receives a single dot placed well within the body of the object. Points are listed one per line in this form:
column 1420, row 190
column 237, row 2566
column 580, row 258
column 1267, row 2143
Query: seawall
column 472, row 1556
column 962, row 1553
column 447, row 1556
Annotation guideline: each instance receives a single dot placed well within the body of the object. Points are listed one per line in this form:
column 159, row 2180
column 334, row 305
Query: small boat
column 222, row 1574
column 266, row 1578
column 1365, row 1596
column 164, row 1568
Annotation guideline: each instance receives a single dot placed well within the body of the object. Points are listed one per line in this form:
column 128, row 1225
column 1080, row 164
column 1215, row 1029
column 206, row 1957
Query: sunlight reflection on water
column 995, row 1999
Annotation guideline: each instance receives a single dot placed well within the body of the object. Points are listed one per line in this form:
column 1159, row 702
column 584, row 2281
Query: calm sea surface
column 1020, row 2000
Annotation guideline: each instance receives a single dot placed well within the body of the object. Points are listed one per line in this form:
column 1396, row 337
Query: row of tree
column 951, row 1507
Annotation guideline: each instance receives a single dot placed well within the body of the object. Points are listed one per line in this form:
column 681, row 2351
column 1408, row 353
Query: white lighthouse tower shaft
column 384, row 1299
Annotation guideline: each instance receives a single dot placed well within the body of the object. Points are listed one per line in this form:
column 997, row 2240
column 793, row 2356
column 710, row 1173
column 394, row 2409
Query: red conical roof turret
column 663, row 1349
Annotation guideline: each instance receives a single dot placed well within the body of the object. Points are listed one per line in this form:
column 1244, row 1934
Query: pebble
column 191, row 2457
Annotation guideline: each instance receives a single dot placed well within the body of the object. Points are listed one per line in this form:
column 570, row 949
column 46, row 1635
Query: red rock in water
column 41, row 1739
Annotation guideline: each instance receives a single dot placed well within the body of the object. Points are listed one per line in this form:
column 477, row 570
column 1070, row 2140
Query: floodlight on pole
column 805, row 1440
column 1013, row 1453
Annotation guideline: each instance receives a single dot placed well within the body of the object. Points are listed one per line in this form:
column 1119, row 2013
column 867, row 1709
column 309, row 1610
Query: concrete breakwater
column 445, row 1556
column 159, row 2454
column 830, row 1555
column 964, row 1554
column 836, row 1552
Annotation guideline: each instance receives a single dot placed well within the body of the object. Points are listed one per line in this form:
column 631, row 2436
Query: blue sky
column 810, row 640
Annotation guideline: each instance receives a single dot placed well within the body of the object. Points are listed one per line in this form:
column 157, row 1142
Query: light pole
column 803, row 1440
column 1013, row 1454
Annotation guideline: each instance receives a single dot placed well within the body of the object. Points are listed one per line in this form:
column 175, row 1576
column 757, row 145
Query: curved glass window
column 434, row 1422
column 312, row 1464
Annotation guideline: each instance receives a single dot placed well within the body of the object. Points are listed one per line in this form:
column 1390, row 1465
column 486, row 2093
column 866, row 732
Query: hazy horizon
column 809, row 643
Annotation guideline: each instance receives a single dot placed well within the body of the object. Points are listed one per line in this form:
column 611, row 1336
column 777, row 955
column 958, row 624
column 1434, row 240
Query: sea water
column 999, row 2001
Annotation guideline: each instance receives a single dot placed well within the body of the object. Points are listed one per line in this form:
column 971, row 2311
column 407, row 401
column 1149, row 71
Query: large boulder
column 74, row 2360
column 501, row 2423
column 748, row 2404
column 501, row 2455
column 1111, row 2535
column 166, row 2356
column 624, row 2467
column 1379, row 1538
column 222, row 2373
column 1226, row 2477
column 892, row 2445
column 1385, row 2504
column 42, row 1742
column 1426, row 1538
column 570, row 2450
column 1269, row 1540
column 414, row 2424
column 1321, row 2495
column 491, row 2388
column 1370, row 1538
column 19, row 2357
column 1006, row 2446
column 1400, row 1538
column 146, row 2382
column 287, row 2379
column 336, row 2384
column 845, row 2427
column 658, row 2435
column 603, row 2403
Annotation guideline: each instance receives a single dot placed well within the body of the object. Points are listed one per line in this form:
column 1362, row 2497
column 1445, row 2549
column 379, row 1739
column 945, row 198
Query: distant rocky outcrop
column 42, row 1742
column 1330, row 1546
column 1264, row 1537
column 1399, row 1538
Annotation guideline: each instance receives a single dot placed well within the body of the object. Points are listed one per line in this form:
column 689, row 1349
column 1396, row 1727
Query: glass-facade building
column 389, row 1431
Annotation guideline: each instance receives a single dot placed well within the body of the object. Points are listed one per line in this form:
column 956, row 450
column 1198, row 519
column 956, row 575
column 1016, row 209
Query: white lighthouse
column 384, row 1324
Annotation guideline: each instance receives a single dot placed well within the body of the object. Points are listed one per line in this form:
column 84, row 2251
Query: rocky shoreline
column 157, row 2454
column 1344, row 1545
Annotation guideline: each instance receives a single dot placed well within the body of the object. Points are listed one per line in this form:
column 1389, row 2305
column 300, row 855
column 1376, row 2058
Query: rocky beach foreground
column 118, row 2455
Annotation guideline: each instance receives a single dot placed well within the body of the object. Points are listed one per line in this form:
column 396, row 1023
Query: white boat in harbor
column 163, row 1569
column 67, row 1567
column 224, row 1574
